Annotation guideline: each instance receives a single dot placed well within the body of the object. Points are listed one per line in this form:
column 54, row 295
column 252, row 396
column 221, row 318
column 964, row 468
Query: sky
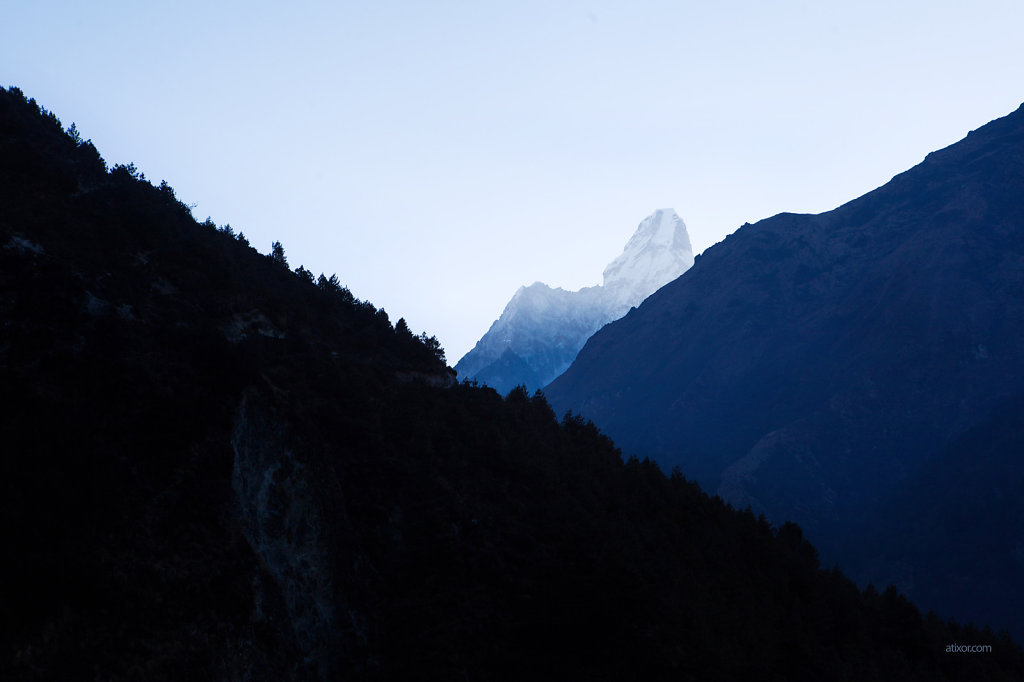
column 437, row 156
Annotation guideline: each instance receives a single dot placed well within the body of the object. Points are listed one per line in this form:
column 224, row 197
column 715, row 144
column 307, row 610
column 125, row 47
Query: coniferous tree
column 277, row 254
column 305, row 274
column 433, row 345
column 75, row 136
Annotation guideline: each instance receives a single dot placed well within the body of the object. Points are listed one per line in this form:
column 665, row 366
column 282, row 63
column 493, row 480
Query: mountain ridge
column 808, row 364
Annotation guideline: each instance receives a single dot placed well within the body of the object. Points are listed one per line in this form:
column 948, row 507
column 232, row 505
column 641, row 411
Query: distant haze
column 438, row 156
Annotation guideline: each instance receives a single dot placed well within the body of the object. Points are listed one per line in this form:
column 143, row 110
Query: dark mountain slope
column 951, row 533
column 215, row 469
column 810, row 363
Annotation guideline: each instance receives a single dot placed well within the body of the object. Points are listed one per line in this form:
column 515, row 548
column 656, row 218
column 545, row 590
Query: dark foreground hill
column 215, row 469
column 827, row 369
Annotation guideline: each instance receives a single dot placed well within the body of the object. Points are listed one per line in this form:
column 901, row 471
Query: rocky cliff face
column 542, row 329
column 283, row 523
column 810, row 364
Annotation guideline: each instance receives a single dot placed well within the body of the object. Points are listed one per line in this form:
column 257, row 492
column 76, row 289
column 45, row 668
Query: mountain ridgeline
column 541, row 329
column 217, row 468
column 859, row 372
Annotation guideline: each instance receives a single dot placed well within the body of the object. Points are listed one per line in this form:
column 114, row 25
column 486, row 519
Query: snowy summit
column 542, row 329
column 657, row 253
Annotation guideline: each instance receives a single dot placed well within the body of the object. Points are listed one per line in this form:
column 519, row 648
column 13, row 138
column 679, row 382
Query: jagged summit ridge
column 658, row 252
column 541, row 329
column 663, row 233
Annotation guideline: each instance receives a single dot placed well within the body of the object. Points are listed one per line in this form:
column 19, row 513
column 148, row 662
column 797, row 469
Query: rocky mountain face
column 542, row 329
column 819, row 367
column 216, row 468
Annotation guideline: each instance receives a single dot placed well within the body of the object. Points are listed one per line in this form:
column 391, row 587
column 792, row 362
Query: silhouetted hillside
column 217, row 468
column 813, row 365
column 951, row 532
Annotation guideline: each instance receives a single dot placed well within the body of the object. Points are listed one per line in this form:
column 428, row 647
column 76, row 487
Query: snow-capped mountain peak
column 658, row 252
column 541, row 329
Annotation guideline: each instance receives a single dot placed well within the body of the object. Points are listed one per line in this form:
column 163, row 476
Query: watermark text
column 968, row 648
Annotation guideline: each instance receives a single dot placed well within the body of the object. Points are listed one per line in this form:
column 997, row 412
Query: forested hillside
column 217, row 467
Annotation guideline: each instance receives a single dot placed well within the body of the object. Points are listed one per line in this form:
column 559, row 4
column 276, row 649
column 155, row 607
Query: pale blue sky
column 439, row 155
